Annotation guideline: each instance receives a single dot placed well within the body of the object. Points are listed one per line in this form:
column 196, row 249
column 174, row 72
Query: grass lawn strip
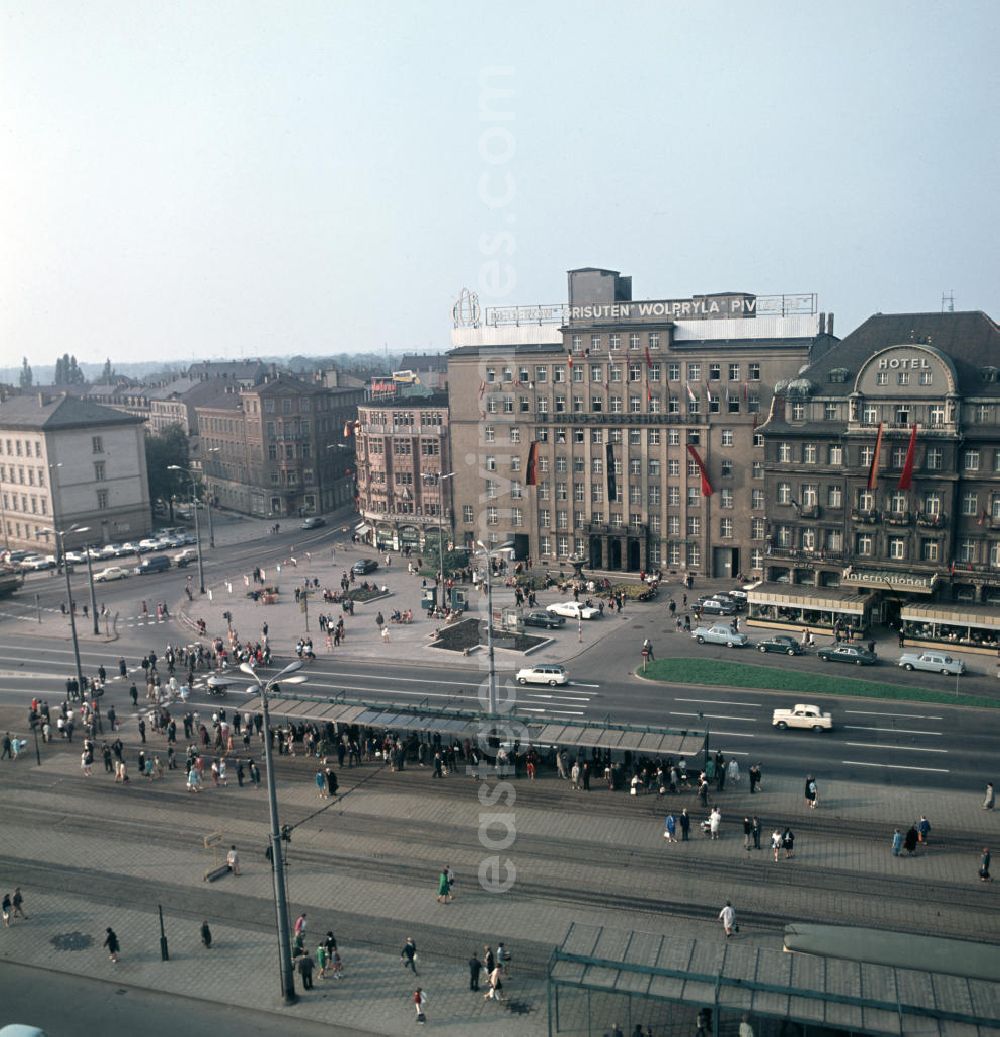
column 770, row 678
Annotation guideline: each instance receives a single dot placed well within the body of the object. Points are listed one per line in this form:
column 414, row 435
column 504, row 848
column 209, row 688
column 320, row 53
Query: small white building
column 68, row 462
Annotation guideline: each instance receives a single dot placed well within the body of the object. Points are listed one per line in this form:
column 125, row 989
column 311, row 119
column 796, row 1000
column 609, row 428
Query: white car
column 36, row 563
column 573, row 610
column 544, row 673
column 75, row 557
column 935, row 662
column 149, row 544
column 721, row 634
column 113, row 572
column 185, row 557
column 804, row 715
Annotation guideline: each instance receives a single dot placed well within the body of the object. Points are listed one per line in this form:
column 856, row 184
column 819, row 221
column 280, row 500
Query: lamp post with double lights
column 493, row 702
column 197, row 526
column 436, row 478
column 208, row 503
column 277, row 861
column 93, row 593
column 60, row 535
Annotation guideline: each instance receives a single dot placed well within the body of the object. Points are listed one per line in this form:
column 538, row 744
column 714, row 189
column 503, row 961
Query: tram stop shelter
column 836, row 979
column 459, row 724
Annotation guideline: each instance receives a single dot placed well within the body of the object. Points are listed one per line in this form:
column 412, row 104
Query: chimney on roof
column 829, row 323
column 44, row 399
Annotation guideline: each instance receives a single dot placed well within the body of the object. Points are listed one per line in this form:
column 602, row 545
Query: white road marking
column 892, row 730
column 580, row 684
column 901, row 748
column 408, row 680
column 719, row 702
column 905, row 716
column 735, row 752
column 562, row 698
column 714, row 716
column 731, row 734
column 896, row 766
column 559, row 712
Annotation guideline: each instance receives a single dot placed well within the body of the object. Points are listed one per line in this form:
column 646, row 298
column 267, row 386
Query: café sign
column 892, row 581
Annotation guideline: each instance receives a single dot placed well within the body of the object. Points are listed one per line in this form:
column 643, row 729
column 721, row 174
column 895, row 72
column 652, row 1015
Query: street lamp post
column 439, row 478
column 278, row 865
column 493, row 704
column 197, row 525
column 60, row 535
column 93, row 593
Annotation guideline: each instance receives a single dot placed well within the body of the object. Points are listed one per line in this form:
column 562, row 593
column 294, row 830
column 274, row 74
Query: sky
column 181, row 180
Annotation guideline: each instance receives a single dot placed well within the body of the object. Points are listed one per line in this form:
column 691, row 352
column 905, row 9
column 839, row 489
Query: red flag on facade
column 706, row 486
column 873, row 467
column 569, row 361
column 532, row 466
column 649, row 394
column 649, row 359
column 906, row 475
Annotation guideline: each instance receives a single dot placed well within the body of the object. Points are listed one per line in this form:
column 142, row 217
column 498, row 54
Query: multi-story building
column 66, row 462
column 645, row 417
column 882, row 476
column 404, row 486
column 277, row 447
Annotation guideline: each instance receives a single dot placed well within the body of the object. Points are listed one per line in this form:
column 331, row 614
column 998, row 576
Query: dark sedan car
column 780, row 643
column 364, row 566
column 848, row 654
column 716, row 607
column 544, row 619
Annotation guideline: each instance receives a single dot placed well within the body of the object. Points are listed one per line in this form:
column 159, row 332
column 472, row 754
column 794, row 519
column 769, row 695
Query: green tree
column 108, row 374
column 27, row 378
column 59, row 378
column 169, row 447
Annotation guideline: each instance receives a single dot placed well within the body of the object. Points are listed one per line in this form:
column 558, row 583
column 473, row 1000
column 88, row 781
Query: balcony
column 799, row 554
column 867, row 517
column 931, row 521
column 898, row 518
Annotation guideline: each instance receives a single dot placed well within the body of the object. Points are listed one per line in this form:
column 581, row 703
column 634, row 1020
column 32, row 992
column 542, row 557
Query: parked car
column 540, row 618
column 364, row 566
column 185, row 557
column 111, row 550
column 75, row 557
column 848, row 654
column 113, row 572
column 14, row 557
column 36, row 563
column 716, row 607
column 573, row 610
column 313, row 522
column 544, row 673
column 153, row 564
column 780, row 643
column 720, row 635
column 935, row 662
column 186, row 539
column 804, row 716
column 147, row 544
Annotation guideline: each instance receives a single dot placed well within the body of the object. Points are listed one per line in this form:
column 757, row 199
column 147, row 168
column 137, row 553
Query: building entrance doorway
column 615, row 555
column 634, row 556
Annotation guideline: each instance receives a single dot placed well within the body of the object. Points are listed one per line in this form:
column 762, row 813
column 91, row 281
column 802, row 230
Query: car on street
column 313, row 522
column 186, row 539
column 111, row 550
column 364, row 566
column 934, row 662
column 804, row 715
column 543, row 618
column 75, row 557
column 14, row 557
column 153, row 564
column 113, row 572
column 716, row 607
column 573, row 610
column 36, row 563
column 848, row 654
column 780, row 643
column 185, row 557
column 544, row 673
column 147, row 544
column 721, row 634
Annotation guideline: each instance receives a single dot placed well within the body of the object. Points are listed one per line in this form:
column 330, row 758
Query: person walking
column 475, row 968
column 747, row 834
column 305, row 967
column 575, row 775
column 755, row 829
column 408, row 955
column 206, row 934
column 685, row 825
column 990, row 800
column 776, row 843
column 320, row 781
column 669, row 828
column 112, row 944
column 984, row 866
column 897, row 842
column 331, row 782
column 420, row 1004
column 715, row 822
column 495, row 992
column 812, row 793
column 233, row 860
column 728, row 918
column 300, row 925
column 444, row 887
column 754, row 777
column 910, row 840
column 923, row 830
column 17, row 902
column 5, row 910
column 788, row 842
column 647, row 650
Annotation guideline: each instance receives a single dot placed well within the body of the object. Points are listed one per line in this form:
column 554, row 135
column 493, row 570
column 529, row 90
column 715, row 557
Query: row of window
column 33, row 447
column 614, row 404
column 28, row 503
column 636, row 371
column 970, row 460
column 968, row 550
column 405, row 418
column 19, row 475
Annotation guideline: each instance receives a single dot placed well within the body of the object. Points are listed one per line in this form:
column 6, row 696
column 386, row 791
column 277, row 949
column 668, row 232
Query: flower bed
column 467, row 634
